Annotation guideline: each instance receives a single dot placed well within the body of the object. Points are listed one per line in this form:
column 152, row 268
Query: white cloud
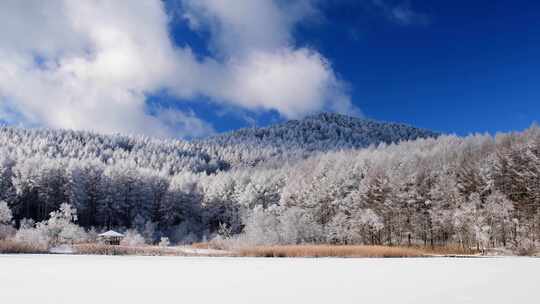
column 91, row 64
column 261, row 67
column 240, row 26
column 97, row 62
column 401, row 13
column 406, row 16
column 293, row 82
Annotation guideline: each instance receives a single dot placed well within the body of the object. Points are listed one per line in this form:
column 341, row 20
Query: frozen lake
column 58, row 279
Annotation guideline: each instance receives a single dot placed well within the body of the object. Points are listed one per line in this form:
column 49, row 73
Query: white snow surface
column 108, row 279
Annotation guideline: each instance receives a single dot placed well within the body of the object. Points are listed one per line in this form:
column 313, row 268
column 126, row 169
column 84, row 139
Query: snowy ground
column 58, row 279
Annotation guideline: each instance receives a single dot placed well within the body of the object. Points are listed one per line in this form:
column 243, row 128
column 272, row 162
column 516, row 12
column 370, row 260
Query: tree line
column 477, row 191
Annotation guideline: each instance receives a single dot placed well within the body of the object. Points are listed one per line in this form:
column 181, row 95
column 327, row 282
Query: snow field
column 58, row 279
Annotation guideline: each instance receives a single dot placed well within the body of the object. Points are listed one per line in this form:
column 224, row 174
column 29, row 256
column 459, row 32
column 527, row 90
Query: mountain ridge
column 290, row 141
column 322, row 132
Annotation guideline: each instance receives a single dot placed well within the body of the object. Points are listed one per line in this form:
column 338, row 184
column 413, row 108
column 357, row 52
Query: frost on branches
column 405, row 188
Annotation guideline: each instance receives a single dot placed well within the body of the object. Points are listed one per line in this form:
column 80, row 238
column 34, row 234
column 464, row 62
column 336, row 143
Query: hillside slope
column 322, row 132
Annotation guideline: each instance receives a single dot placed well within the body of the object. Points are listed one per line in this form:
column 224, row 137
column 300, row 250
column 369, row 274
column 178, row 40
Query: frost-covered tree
column 5, row 214
column 498, row 215
column 61, row 227
column 298, row 226
column 6, row 223
column 262, row 226
column 323, row 179
column 87, row 190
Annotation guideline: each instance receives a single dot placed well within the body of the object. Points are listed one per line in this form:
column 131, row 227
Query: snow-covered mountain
column 278, row 185
column 322, row 132
column 289, row 141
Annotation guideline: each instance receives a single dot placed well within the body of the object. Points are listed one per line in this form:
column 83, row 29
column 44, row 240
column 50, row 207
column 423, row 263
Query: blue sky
column 462, row 67
column 473, row 67
column 190, row 68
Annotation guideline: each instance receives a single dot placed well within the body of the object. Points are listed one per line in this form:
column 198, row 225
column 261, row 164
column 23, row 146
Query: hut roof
column 111, row 233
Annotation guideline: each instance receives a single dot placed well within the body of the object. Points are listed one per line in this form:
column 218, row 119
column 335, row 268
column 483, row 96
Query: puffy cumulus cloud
column 293, row 82
column 260, row 66
column 92, row 64
column 86, row 64
column 239, row 26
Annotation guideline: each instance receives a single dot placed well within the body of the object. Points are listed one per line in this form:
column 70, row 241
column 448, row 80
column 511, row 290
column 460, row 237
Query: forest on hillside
column 479, row 190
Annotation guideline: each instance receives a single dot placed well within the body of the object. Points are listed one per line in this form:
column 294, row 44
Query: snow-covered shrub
column 58, row 229
column 6, row 224
column 72, row 234
column 164, row 242
column 33, row 236
column 5, row 214
column 92, row 235
column 132, row 238
column 7, row 231
column 61, row 227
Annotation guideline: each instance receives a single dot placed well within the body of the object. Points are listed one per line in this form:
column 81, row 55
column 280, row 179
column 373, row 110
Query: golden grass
column 9, row 246
column 203, row 245
column 330, row 251
column 213, row 244
column 101, row 249
column 363, row 251
column 449, row 250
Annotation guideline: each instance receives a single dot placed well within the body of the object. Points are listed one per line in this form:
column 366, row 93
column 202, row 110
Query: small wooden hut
column 111, row 237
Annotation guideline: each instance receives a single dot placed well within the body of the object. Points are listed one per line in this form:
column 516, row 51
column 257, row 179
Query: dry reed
column 101, row 249
column 331, row 251
column 448, row 250
column 9, row 246
column 204, row 245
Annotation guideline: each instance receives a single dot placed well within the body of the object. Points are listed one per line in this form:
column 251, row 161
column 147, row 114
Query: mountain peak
column 323, row 132
column 331, row 116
